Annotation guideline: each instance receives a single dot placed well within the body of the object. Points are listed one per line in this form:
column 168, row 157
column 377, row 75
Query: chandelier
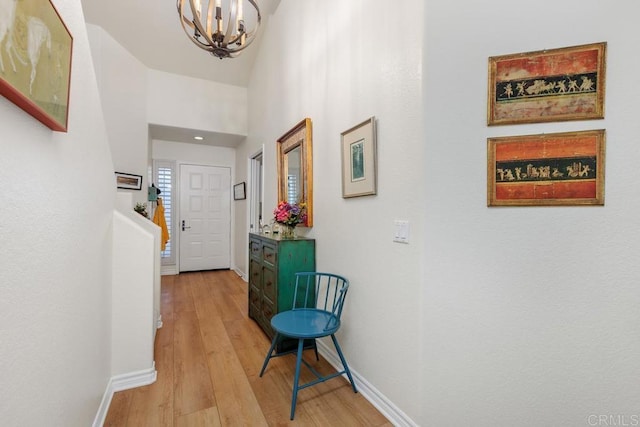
column 203, row 23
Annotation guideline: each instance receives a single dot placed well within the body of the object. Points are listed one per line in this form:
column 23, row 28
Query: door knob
column 183, row 226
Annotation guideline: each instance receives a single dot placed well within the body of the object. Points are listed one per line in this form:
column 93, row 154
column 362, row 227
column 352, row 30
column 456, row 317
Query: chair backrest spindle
column 322, row 291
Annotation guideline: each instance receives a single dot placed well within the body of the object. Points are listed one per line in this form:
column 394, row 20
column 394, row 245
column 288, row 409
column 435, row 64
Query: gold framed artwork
column 295, row 167
column 546, row 170
column 35, row 60
column 547, row 85
column 359, row 169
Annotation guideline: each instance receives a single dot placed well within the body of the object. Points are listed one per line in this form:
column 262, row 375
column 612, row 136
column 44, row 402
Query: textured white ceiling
column 150, row 30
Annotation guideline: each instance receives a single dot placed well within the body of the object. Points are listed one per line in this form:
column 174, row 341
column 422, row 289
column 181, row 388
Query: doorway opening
column 256, row 191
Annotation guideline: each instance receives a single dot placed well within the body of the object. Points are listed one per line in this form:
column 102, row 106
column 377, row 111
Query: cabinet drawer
column 268, row 311
column 254, row 303
column 254, row 273
column 269, row 287
column 255, row 248
column 269, row 254
column 254, row 296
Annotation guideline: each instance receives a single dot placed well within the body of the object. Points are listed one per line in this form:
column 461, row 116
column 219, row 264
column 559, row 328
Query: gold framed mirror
column 295, row 167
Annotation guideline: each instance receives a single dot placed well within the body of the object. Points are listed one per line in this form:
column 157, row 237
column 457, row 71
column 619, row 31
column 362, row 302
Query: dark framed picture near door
column 239, row 191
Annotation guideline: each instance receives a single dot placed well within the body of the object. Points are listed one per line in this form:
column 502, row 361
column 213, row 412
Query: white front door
column 205, row 217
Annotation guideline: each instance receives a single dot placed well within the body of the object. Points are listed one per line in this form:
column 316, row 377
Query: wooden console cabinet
column 273, row 263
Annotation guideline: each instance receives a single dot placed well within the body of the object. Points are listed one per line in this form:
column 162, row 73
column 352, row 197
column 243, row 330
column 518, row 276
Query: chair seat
column 305, row 323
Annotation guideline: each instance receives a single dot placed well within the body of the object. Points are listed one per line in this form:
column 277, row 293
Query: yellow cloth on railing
column 158, row 219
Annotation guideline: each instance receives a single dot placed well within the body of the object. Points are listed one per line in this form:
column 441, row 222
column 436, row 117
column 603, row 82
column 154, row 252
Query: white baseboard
column 242, row 274
column 368, row 391
column 168, row 270
column 134, row 379
column 101, row 416
column 123, row 382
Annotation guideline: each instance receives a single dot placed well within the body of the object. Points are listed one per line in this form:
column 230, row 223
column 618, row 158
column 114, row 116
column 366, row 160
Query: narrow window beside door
column 165, row 181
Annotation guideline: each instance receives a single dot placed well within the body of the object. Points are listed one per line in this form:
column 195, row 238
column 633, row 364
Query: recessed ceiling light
column 199, row 138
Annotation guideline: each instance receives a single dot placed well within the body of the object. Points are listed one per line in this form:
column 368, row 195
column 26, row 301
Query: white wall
column 193, row 153
column 530, row 314
column 55, row 227
column 340, row 69
column 134, row 96
column 190, row 103
column 495, row 316
column 122, row 81
column 136, row 291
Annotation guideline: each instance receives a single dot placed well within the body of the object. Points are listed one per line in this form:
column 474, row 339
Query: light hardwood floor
column 208, row 355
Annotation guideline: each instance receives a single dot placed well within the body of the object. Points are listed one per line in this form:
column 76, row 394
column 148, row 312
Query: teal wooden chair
column 318, row 299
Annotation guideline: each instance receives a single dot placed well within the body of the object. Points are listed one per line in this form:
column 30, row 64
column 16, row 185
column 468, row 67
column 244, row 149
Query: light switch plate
column 401, row 231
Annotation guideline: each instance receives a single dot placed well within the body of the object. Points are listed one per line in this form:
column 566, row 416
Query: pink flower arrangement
column 290, row 214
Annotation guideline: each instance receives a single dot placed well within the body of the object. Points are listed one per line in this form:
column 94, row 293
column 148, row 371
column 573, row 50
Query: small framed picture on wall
column 359, row 170
column 239, row 191
column 128, row 181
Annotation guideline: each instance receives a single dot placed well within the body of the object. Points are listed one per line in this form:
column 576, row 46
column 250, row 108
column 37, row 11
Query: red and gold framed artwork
column 35, row 60
column 548, row 85
column 546, row 170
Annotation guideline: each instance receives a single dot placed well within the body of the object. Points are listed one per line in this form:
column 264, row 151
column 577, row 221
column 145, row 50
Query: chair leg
column 266, row 359
column 296, row 379
column 344, row 362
